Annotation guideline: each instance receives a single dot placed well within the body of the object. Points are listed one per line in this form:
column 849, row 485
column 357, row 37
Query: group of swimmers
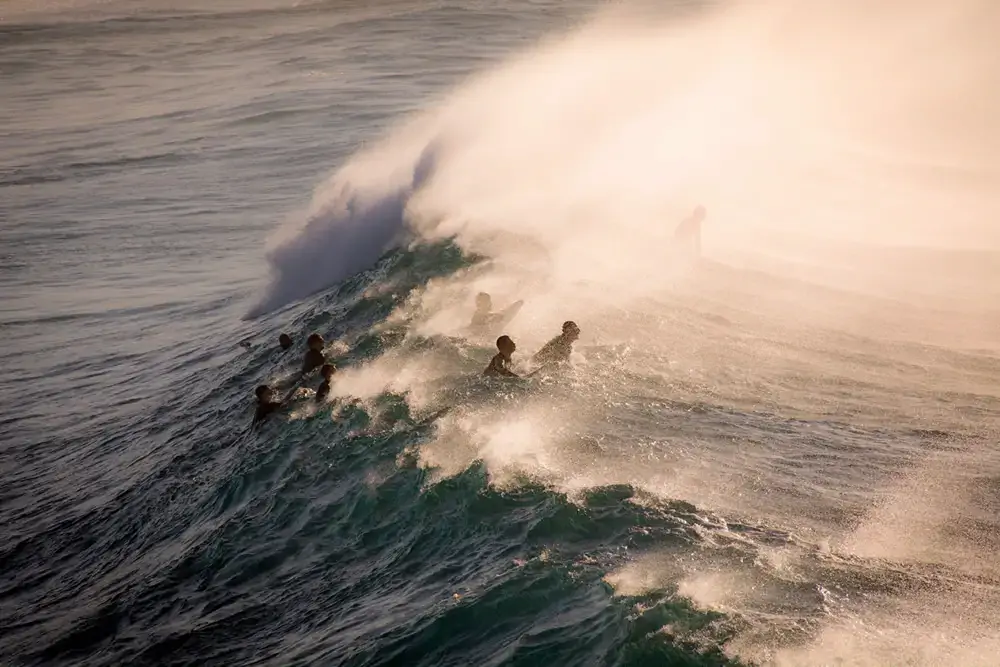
column 557, row 351
column 314, row 359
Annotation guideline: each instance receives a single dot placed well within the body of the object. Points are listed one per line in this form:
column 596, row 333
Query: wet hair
column 504, row 341
column 327, row 370
column 285, row 341
column 570, row 325
column 261, row 390
column 314, row 338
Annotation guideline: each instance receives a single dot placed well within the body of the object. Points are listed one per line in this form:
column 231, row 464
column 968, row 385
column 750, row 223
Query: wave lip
column 346, row 233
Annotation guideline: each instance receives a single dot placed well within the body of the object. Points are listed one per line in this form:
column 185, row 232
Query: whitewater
column 784, row 453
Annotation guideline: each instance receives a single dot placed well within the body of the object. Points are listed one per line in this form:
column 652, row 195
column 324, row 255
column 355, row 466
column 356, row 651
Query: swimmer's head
column 699, row 213
column 315, row 342
column 327, row 371
column 570, row 330
column 285, row 341
column 506, row 345
column 483, row 301
column 263, row 393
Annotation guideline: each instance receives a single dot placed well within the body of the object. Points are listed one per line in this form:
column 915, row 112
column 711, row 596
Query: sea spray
column 595, row 145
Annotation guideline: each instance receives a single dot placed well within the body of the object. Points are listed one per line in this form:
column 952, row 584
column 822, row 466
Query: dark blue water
column 708, row 485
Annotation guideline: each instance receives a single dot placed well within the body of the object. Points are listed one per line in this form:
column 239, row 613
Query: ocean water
column 753, row 460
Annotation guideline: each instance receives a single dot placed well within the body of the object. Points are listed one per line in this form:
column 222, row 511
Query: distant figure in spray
column 687, row 236
column 485, row 322
column 265, row 404
column 324, row 388
column 285, row 341
column 314, row 357
column 559, row 349
column 500, row 363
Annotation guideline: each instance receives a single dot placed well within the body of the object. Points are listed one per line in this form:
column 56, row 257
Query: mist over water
column 815, row 133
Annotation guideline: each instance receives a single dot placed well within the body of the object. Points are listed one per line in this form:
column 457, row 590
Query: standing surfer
column 688, row 234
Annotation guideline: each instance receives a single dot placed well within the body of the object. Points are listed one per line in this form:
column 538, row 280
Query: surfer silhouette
column 500, row 363
column 265, row 405
column 324, row 388
column 485, row 322
column 687, row 236
column 559, row 349
column 285, row 341
column 314, row 357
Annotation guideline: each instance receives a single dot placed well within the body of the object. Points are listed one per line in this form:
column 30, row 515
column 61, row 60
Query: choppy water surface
column 710, row 484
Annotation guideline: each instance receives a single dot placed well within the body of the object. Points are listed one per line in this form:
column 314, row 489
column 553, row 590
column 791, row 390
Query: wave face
column 347, row 234
column 783, row 454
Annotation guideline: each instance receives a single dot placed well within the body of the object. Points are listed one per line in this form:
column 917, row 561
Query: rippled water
column 719, row 486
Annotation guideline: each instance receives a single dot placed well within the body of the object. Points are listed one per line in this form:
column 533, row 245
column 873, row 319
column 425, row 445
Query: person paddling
column 559, row 349
column 500, row 363
column 314, row 357
column 324, row 388
column 485, row 322
column 265, row 404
